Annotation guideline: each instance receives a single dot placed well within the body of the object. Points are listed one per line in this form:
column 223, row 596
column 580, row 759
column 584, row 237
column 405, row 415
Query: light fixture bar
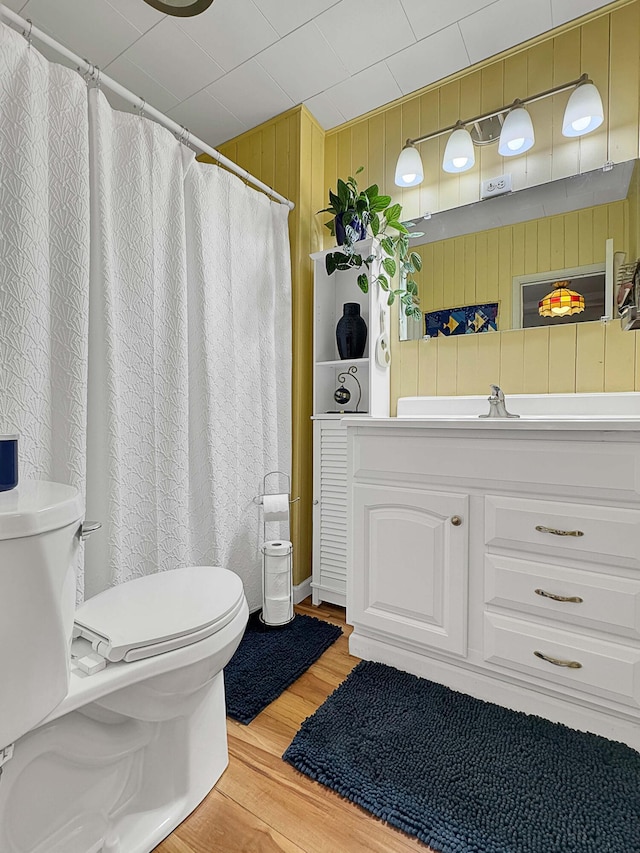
column 556, row 90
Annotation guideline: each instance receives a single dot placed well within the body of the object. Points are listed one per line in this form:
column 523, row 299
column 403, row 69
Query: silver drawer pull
column 574, row 599
column 572, row 664
column 556, row 532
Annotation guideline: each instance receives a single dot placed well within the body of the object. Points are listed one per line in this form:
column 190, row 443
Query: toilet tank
column 39, row 526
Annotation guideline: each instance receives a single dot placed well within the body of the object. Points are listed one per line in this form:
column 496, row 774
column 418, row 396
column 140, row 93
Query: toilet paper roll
column 276, row 556
column 275, row 507
column 277, row 586
column 277, row 611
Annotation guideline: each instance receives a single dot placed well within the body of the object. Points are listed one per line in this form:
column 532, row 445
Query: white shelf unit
column 329, row 571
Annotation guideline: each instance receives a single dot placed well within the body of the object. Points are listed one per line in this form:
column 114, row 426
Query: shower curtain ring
column 27, row 33
column 141, row 107
column 87, row 75
column 97, row 78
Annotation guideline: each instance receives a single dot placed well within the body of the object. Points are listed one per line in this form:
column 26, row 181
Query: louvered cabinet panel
column 329, row 574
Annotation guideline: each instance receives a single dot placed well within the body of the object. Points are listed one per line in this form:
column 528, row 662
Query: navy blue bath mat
column 268, row 660
column 466, row 776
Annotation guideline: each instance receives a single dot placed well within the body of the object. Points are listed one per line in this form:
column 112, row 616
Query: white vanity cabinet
column 503, row 561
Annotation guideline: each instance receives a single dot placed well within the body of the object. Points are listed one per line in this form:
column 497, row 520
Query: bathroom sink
column 623, row 406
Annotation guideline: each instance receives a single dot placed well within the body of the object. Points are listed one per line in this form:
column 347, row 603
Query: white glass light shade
column 584, row 111
column 517, row 134
column 459, row 154
column 409, row 168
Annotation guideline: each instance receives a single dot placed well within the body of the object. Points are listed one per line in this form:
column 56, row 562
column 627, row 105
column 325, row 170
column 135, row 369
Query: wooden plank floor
column 261, row 804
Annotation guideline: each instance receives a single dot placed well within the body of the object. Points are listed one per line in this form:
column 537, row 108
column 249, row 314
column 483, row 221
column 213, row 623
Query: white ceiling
column 243, row 61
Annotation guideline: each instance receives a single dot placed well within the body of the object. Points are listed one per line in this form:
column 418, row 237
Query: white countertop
column 616, row 423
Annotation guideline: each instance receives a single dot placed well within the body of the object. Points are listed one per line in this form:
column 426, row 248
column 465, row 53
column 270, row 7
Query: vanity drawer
column 581, row 531
column 608, row 670
column 590, row 599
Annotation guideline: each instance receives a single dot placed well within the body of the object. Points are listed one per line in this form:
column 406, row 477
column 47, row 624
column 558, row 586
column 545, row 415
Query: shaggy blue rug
column 466, row 776
column 268, row 660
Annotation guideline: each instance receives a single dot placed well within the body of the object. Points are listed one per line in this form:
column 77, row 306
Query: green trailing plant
column 365, row 212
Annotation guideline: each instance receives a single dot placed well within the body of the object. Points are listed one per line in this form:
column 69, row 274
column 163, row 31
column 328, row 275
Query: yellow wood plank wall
column 287, row 153
column 581, row 358
column 293, row 154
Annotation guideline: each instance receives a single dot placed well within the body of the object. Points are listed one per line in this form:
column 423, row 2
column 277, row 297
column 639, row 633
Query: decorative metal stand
column 342, row 395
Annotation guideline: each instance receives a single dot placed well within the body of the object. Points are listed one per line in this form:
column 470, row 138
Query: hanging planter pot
column 339, row 226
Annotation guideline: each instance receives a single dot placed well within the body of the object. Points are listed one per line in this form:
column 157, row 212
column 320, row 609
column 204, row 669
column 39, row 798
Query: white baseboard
column 302, row 590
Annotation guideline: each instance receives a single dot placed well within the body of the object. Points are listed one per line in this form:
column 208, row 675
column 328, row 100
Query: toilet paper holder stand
column 259, row 499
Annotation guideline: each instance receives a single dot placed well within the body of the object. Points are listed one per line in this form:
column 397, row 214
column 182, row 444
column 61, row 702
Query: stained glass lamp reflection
column 561, row 302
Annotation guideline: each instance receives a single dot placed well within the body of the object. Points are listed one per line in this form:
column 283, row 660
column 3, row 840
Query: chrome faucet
column 497, row 406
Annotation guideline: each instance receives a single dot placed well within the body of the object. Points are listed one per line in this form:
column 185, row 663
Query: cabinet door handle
column 572, row 664
column 574, row 599
column 456, row 520
column 556, row 532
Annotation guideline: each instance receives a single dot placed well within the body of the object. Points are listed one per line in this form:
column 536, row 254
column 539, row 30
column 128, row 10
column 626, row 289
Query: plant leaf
column 383, row 282
column 343, row 193
column 393, row 212
column 387, row 245
column 330, row 263
column 389, row 266
column 363, row 282
column 375, row 224
column 380, row 203
column 416, row 260
column 391, row 298
column 337, row 204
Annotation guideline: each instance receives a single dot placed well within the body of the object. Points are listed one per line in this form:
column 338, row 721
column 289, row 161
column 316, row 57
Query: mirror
column 488, row 254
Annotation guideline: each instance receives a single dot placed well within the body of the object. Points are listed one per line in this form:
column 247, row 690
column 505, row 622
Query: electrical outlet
column 496, row 186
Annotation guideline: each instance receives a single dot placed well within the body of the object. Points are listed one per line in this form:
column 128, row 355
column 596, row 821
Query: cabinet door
column 329, row 569
column 409, row 565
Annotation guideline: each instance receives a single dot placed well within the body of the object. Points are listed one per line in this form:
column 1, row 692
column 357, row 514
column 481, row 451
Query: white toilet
column 108, row 741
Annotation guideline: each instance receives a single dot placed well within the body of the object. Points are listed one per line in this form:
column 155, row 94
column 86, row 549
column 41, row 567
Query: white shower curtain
column 44, row 260
column 239, row 361
column 145, row 359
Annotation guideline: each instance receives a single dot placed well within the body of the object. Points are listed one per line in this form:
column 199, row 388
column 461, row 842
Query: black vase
column 351, row 332
column 355, row 223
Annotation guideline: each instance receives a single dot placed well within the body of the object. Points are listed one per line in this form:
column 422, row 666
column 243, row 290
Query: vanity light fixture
column 180, row 8
column 583, row 114
column 517, row 134
column 409, row 170
column 458, row 155
column 561, row 302
column 584, row 111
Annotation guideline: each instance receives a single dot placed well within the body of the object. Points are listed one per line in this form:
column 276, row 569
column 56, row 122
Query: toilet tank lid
column 37, row 506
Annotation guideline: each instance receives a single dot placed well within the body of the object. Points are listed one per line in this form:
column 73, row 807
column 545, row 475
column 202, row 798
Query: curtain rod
column 92, row 72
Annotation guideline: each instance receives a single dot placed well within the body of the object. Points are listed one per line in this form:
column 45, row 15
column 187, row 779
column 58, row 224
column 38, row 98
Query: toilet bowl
column 113, row 715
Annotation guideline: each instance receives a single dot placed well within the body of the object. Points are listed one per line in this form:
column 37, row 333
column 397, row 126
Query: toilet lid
column 158, row 613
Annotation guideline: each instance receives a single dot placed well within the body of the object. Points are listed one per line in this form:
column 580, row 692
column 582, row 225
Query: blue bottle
column 8, row 462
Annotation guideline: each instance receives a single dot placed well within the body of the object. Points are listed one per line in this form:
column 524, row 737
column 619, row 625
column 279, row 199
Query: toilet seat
column 158, row 613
